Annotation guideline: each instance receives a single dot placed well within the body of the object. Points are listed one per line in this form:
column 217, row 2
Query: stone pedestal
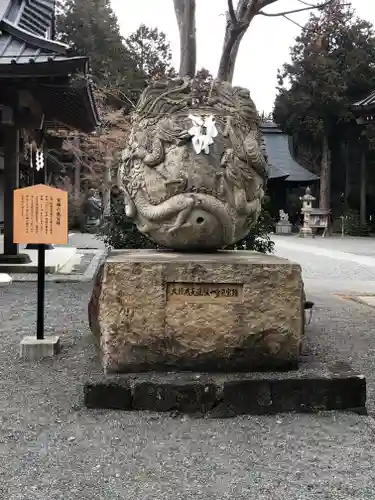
column 283, row 227
column 226, row 311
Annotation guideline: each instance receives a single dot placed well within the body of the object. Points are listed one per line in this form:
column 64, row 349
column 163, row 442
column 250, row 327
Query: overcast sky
column 263, row 50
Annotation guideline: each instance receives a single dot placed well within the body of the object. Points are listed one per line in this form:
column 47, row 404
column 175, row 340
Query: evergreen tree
column 331, row 67
column 151, row 52
column 90, row 27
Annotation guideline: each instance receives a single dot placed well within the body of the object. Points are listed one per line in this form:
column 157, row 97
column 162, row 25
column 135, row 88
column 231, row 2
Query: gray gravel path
column 351, row 244
column 332, row 273
column 51, row 448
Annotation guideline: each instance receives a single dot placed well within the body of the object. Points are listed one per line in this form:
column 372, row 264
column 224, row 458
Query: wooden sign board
column 40, row 215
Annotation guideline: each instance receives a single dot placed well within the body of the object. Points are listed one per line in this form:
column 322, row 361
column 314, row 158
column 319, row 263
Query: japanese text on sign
column 40, row 215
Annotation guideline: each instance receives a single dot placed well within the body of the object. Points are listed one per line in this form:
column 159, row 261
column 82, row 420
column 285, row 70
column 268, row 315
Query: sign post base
column 33, row 349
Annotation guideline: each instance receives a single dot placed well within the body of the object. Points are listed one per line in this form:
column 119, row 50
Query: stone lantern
column 307, row 208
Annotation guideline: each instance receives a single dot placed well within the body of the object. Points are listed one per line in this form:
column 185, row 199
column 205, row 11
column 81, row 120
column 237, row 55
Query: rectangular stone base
column 33, row 349
column 225, row 311
column 283, row 228
column 312, row 388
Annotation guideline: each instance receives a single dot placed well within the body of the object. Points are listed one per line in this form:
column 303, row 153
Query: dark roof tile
column 26, row 51
column 280, row 159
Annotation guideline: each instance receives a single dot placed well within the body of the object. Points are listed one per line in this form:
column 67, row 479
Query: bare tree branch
column 293, row 21
column 239, row 21
column 295, row 11
column 305, row 3
column 185, row 14
column 231, row 12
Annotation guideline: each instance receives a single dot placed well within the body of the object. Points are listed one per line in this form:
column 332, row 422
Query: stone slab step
column 5, row 279
column 311, row 388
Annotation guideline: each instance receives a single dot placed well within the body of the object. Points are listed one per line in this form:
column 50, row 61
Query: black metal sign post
column 40, row 217
column 40, row 178
column 41, row 291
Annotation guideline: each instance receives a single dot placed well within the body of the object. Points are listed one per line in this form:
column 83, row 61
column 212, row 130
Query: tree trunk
column 107, row 186
column 238, row 21
column 345, row 151
column 237, row 24
column 185, row 14
column 236, row 27
column 325, row 176
column 363, row 192
column 231, row 46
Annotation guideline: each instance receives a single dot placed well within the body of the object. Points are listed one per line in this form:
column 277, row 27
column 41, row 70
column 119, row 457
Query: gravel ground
column 331, row 274
column 341, row 329
column 52, row 448
column 351, row 244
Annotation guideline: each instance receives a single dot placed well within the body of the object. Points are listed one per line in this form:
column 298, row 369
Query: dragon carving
column 186, row 200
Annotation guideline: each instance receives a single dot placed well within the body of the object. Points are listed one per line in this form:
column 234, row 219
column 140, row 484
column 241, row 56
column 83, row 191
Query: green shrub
column 76, row 211
column 259, row 238
column 352, row 224
column 118, row 231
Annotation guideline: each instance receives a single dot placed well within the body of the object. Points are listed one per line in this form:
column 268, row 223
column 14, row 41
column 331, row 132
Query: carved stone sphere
column 193, row 171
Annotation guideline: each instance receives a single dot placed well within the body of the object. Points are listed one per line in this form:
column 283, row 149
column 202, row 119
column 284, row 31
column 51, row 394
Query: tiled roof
column 26, row 50
column 33, row 16
column 280, row 158
column 367, row 102
column 15, row 50
column 24, row 26
column 36, row 16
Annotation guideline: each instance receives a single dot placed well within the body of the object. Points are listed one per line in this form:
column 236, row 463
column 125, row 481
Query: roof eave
column 304, row 181
column 278, row 177
column 363, row 109
column 95, row 112
column 70, row 104
column 367, row 102
column 34, row 40
column 50, row 68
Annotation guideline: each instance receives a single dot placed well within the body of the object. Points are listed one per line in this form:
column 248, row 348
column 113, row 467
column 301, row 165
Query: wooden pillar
column 363, row 188
column 10, row 254
column 11, row 182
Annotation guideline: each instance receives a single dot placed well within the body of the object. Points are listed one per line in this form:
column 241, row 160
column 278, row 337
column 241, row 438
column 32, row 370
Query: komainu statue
column 193, row 172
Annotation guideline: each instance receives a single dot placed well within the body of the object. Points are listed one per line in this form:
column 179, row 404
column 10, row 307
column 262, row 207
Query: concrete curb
column 307, row 390
column 86, row 276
